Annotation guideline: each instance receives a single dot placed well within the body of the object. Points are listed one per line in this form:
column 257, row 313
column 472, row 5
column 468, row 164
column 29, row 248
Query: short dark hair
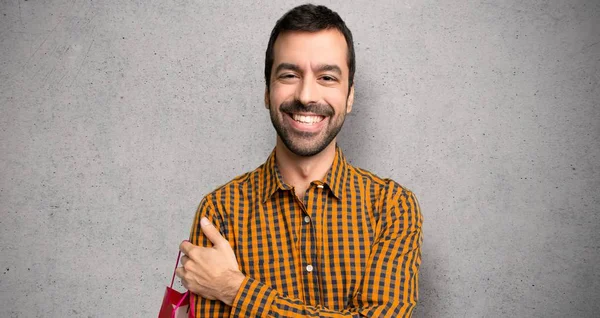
column 310, row 18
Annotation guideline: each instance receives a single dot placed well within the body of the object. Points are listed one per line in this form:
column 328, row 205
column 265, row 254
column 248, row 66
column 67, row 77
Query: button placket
column 310, row 273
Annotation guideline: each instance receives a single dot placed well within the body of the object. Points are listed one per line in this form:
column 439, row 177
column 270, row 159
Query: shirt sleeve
column 389, row 287
column 205, row 307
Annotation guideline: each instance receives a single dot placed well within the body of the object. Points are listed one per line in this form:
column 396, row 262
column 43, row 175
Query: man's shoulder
column 387, row 194
column 245, row 182
column 381, row 185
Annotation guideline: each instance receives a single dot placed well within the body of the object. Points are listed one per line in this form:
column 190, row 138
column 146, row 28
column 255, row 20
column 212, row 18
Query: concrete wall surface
column 117, row 117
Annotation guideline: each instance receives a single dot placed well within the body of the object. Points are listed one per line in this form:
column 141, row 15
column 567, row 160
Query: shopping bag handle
column 176, row 263
column 187, row 293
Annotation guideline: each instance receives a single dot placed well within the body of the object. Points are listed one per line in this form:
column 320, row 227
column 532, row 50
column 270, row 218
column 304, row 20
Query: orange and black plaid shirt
column 350, row 248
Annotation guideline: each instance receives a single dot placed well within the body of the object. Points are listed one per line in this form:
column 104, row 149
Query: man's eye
column 287, row 76
column 328, row 78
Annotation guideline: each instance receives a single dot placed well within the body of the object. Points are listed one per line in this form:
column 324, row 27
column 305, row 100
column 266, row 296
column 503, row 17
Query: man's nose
column 308, row 92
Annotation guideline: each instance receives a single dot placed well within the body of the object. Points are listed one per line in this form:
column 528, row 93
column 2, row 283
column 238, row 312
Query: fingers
column 211, row 232
column 184, row 259
column 186, row 247
column 180, row 272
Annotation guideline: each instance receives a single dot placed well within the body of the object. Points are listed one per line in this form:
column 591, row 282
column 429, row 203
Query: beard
column 306, row 144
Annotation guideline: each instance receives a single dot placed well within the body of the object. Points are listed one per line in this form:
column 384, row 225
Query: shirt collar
column 336, row 176
column 272, row 178
column 334, row 179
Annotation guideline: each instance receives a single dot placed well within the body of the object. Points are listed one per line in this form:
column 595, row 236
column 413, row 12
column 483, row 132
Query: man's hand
column 210, row 272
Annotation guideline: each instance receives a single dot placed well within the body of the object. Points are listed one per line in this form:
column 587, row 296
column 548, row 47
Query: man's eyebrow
column 289, row 67
column 329, row 68
column 320, row 68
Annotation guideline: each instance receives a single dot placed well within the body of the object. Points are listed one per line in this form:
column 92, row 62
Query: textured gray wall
column 117, row 117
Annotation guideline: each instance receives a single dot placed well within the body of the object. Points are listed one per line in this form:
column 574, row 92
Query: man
column 306, row 233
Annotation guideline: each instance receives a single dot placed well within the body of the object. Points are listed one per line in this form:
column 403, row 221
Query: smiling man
column 306, row 233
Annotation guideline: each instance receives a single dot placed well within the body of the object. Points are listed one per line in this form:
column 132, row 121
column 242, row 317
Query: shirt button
column 307, row 219
column 309, row 268
column 320, row 186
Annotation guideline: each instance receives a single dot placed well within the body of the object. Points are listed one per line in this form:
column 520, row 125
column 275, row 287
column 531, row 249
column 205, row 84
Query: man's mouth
column 307, row 119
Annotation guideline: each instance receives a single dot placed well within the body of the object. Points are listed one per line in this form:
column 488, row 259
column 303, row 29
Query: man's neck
column 298, row 171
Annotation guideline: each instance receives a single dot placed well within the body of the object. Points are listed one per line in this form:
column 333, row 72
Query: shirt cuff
column 253, row 299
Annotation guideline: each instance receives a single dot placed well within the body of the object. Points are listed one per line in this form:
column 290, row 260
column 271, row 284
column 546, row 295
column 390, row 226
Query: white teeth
column 307, row 119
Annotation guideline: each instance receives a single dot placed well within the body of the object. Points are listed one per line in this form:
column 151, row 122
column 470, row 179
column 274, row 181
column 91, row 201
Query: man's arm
column 207, row 307
column 390, row 283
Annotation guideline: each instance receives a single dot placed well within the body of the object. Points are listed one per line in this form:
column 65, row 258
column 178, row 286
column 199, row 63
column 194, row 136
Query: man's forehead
column 302, row 38
column 326, row 47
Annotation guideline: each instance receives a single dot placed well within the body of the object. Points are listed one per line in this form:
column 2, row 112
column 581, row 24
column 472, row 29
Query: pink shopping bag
column 176, row 304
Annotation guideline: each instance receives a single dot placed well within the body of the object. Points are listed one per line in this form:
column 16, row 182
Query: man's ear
column 266, row 98
column 350, row 99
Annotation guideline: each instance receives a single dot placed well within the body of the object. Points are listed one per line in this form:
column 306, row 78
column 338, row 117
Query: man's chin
column 305, row 148
column 305, row 152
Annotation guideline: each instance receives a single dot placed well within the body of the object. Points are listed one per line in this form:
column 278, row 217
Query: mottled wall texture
column 117, row 117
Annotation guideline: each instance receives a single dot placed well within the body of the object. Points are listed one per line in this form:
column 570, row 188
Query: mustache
column 297, row 106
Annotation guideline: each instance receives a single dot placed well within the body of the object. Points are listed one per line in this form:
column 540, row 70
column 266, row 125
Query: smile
column 307, row 119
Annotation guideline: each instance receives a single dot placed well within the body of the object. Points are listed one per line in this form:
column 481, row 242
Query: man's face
column 309, row 97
